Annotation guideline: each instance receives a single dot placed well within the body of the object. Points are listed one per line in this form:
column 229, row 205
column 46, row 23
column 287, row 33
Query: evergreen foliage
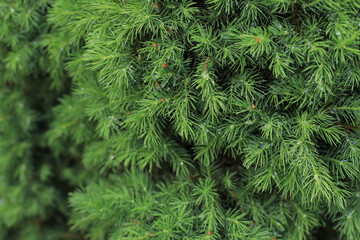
column 32, row 198
column 207, row 119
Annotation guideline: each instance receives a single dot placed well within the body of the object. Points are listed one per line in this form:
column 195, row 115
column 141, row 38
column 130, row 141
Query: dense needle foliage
column 207, row 119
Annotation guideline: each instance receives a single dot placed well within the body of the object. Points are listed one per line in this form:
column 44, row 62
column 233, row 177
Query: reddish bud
column 273, row 238
column 234, row 193
column 154, row 44
column 187, row 82
column 209, row 233
column 154, row 4
column 139, row 59
column 288, row 197
column 191, row 177
column 38, row 221
column 156, row 85
column 162, row 100
column 127, row 113
column 206, row 66
column 170, row 30
column 164, row 65
column 123, row 1
column 257, row 39
column 253, row 106
column 208, row 58
column 149, row 235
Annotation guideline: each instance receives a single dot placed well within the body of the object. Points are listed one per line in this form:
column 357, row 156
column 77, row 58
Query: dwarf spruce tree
column 213, row 119
column 207, row 119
